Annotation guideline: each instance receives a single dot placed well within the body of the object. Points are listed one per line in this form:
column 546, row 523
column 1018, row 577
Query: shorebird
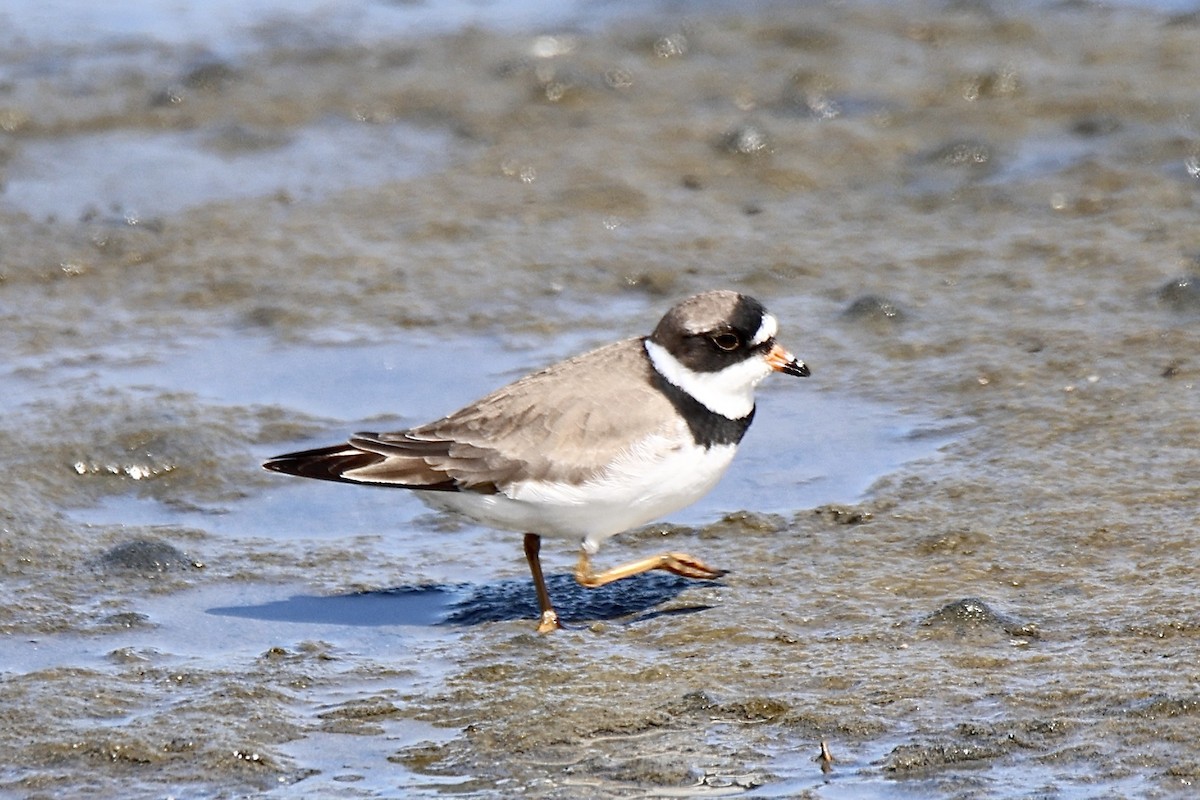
column 591, row 446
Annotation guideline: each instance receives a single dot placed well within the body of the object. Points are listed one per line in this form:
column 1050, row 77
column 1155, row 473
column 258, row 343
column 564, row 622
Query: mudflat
column 962, row 553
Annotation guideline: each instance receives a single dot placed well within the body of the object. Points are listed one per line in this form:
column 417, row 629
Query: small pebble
column 1181, row 294
column 144, row 555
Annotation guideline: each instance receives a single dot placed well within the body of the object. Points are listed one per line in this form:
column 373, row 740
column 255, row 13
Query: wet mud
column 962, row 554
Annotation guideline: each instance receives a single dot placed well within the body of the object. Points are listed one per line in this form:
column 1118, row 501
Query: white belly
column 654, row 479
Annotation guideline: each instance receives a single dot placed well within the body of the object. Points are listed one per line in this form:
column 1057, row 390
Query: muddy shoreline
column 976, row 224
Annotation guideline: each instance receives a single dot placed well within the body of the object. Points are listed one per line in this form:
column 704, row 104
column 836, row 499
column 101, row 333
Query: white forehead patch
column 766, row 330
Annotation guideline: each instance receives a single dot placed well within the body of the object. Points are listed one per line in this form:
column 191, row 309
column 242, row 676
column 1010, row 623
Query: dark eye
column 727, row 341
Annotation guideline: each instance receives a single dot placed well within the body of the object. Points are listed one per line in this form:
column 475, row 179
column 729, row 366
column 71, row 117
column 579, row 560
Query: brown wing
column 567, row 409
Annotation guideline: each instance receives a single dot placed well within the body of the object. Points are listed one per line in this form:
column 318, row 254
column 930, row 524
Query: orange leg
column 549, row 621
column 676, row 563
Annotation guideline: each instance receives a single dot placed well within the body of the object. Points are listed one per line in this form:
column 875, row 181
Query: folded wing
column 507, row 436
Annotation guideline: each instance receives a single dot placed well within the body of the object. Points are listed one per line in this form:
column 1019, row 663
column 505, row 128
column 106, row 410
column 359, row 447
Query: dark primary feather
column 325, row 463
column 332, row 464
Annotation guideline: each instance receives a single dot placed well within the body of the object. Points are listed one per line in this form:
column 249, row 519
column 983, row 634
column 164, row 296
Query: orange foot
column 675, row 563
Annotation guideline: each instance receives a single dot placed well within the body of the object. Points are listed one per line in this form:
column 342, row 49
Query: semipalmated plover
column 590, row 446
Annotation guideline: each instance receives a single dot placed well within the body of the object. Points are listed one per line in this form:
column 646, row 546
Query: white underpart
column 655, row 477
column 766, row 330
column 728, row 392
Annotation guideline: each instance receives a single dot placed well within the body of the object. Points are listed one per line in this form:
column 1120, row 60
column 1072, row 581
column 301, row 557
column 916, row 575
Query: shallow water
column 962, row 552
column 120, row 173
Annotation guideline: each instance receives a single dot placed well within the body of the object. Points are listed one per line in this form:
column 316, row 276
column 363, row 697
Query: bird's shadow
column 630, row 600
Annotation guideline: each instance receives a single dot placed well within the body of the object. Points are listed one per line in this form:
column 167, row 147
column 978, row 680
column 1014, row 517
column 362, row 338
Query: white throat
column 728, row 392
